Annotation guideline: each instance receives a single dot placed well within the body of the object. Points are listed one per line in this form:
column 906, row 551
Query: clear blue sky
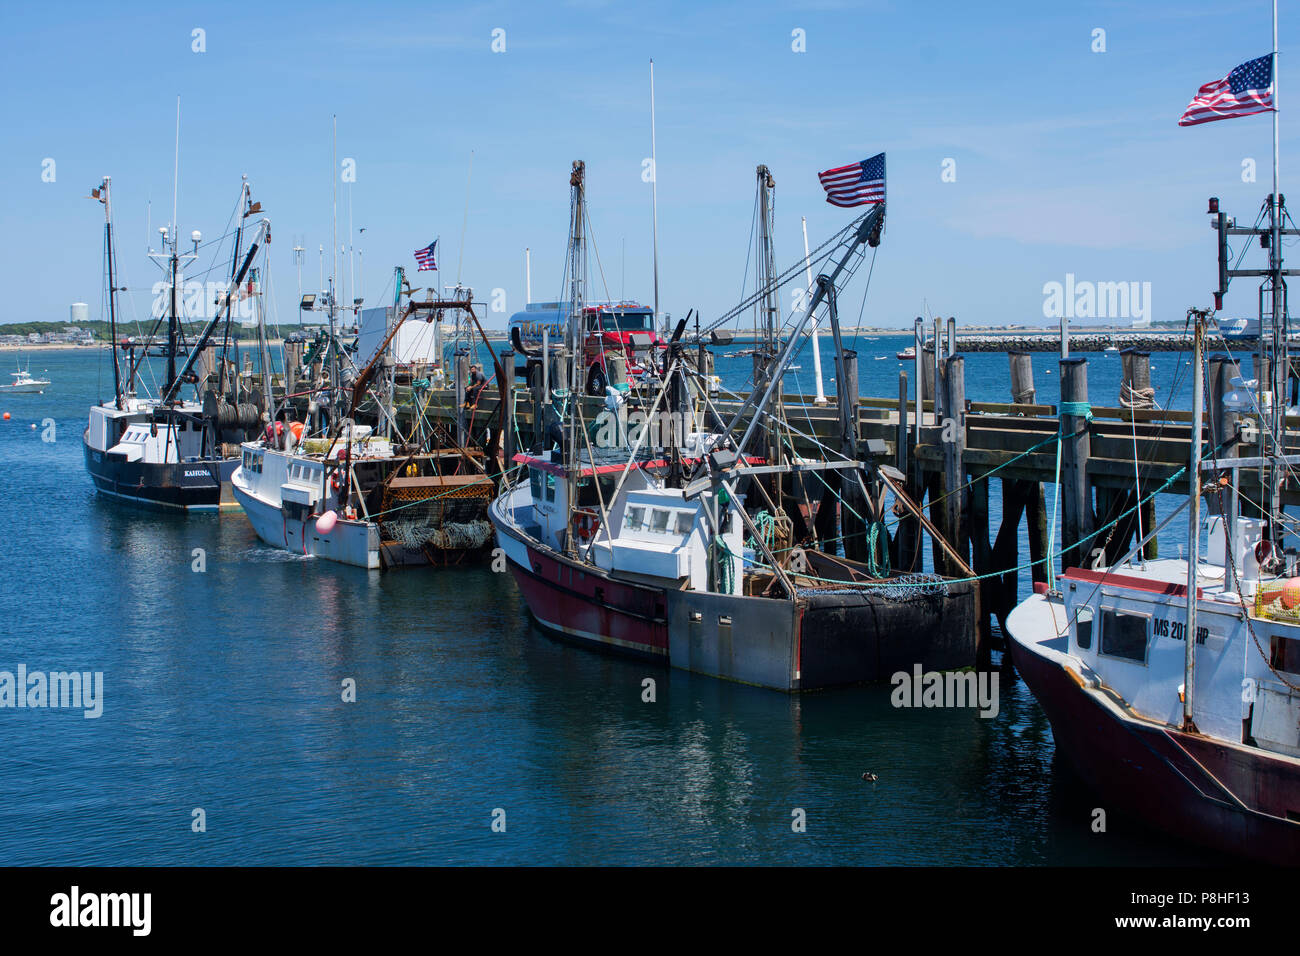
column 1067, row 161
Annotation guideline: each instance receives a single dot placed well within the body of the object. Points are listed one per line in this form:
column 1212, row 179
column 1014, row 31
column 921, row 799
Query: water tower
column 78, row 313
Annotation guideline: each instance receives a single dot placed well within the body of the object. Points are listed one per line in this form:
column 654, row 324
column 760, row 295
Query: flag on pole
column 1247, row 89
column 856, row 184
column 425, row 257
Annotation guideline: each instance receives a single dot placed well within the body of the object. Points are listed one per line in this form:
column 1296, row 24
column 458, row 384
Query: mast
column 868, row 230
column 654, row 194
column 1193, row 520
column 769, row 310
column 1281, row 366
column 333, row 313
column 242, row 205
column 112, row 287
column 578, row 267
column 173, row 319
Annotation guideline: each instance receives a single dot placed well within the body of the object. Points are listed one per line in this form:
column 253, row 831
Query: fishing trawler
column 640, row 547
column 1173, row 686
column 168, row 451
column 357, row 498
column 365, row 495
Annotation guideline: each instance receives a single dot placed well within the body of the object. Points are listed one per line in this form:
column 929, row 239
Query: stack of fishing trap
column 442, row 512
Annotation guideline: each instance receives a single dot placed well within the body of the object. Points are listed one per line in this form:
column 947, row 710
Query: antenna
column 297, row 261
column 176, row 163
column 654, row 191
column 334, row 258
column 352, row 259
column 528, row 276
column 465, row 221
column 817, row 351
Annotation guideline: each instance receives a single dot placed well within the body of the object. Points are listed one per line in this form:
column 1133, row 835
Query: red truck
column 610, row 329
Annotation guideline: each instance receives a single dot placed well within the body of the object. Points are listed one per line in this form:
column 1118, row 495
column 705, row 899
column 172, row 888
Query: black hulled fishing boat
column 167, row 451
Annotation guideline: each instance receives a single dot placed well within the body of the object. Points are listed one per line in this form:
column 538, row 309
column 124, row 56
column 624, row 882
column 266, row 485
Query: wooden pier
column 1114, row 456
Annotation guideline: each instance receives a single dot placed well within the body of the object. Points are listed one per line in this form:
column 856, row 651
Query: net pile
column 905, row 587
column 451, row 536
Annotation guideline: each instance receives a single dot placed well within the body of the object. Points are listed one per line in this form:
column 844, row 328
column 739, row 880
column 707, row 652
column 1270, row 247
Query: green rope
column 765, row 524
column 877, row 568
column 1051, row 556
column 1078, row 410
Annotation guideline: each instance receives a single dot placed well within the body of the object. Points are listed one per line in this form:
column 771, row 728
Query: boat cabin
column 1127, row 628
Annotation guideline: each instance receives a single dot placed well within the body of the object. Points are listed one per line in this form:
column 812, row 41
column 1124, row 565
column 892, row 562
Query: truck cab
column 623, row 330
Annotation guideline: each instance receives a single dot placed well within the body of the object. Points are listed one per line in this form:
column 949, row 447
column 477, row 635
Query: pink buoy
column 326, row 522
column 1291, row 593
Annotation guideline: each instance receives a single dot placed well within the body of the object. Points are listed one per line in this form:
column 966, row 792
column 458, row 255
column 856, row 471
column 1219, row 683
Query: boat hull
column 1238, row 800
column 348, row 542
column 820, row 640
column 175, row 486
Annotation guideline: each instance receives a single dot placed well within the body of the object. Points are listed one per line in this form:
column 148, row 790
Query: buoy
column 296, row 428
column 325, row 523
column 6, row 416
column 1291, row 593
column 33, row 426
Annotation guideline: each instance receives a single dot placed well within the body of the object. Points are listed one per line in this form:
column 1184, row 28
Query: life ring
column 585, row 524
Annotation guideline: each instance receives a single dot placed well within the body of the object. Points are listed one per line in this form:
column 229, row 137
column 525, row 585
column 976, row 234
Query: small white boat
column 24, row 382
column 907, row 354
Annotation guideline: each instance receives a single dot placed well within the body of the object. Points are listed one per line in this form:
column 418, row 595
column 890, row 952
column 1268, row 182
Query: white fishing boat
column 352, row 493
column 24, row 381
column 358, row 499
column 1173, row 685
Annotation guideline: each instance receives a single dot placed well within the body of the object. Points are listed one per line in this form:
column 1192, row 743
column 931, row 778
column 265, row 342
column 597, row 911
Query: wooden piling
column 1022, row 378
column 1077, row 518
column 982, row 562
column 1135, row 389
column 953, row 437
column 1223, row 422
column 854, row 508
column 907, row 534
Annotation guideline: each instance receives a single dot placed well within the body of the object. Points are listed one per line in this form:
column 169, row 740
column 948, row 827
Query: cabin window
column 635, row 519
column 685, row 521
column 550, row 486
column 659, row 520
column 1083, row 628
column 590, row 495
column 1124, row 635
column 535, row 483
column 1285, row 654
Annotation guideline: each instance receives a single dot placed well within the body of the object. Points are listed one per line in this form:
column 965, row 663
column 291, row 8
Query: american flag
column 425, row 257
column 1247, row 89
column 856, row 184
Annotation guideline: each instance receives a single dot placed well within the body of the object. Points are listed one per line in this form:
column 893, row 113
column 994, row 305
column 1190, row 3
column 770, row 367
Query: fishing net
column 450, row 536
column 905, row 587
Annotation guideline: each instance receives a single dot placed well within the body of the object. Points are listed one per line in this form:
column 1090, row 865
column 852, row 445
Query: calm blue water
column 222, row 692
